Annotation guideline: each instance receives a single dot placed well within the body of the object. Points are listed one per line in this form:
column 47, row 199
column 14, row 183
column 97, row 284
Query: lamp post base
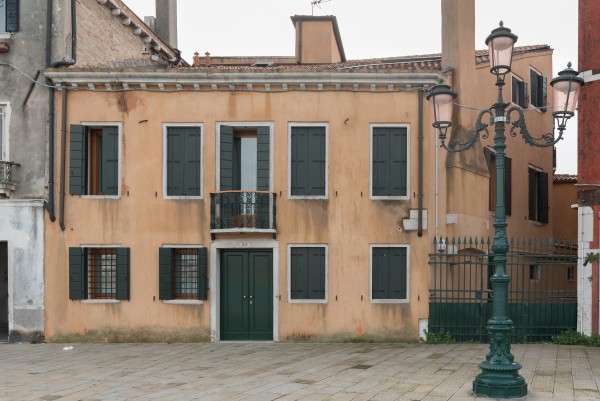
column 500, row 381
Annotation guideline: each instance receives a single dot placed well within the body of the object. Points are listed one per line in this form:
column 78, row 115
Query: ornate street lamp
column 500, row 373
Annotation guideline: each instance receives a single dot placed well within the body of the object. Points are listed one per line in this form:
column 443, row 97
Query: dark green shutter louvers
column 263, row 150
column 76, row 274
column 202, row 273
column 12, row 15
column 543, row 198
column 175, row 150
column 532, row 195
column 226, row 158
column 123, row 274
column 390, row 161
column 192, row 162
column 77, row 160
column 165, row 258
column 109, row 177
column 299, row 163
column 299, row 261
column 316, row 161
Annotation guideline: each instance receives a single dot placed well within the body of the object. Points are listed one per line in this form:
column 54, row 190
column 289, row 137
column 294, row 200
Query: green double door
column 246, row 295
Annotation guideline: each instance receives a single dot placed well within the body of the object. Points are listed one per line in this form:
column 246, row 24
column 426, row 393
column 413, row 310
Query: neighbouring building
column 588, row 170
column 277, row 198
column 35, row 35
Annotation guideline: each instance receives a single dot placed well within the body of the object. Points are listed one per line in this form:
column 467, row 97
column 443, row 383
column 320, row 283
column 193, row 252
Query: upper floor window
column 9, row 16
column 308, row 161
column 538, row 196
column 519, row 92
column 183, row 161
column 538, row 84
column 94, row 160
column 99, row 273
column 389, row 161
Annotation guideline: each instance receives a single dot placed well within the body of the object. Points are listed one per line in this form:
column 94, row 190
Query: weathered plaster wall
column 22, row 226
column 564, row 217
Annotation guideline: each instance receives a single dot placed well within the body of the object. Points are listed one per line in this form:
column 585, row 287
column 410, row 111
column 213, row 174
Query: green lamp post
column 499, row 377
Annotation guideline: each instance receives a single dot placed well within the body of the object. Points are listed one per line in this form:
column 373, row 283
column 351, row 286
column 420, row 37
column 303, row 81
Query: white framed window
column 538, row 85
column 95, row 159
column 307, row 270
column 389, row 273
column 308, row 160
column 182, row 273
column 390, row 161
column 183, row 160
column 520, row 94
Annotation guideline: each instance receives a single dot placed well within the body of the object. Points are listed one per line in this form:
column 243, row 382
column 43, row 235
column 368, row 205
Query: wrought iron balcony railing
column 242, row 211
column 7, row 182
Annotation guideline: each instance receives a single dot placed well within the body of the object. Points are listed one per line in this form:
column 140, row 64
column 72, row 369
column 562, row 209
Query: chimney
column 166, row 21
column 318, row 40
column 458, row 43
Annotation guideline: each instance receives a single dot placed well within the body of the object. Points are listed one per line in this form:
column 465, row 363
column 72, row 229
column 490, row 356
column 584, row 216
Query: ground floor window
column 389, row 273
column 183, row 273
column 308, row 272
column 99, row 273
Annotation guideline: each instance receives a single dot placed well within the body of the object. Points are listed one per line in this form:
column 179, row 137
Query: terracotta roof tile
column 565, row 179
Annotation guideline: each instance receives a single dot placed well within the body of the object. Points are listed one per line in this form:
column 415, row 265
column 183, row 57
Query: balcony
column 242, row 212
column 7, row 182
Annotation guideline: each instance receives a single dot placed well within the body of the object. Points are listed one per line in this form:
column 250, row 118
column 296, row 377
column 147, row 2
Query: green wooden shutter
column 12, row 15
column 380, row 273
column 315, row 273
column 192, row 162
column 397, row 283
column 525, row 94
column 165, row 273
column 398, row 156
column 543, row 197
column 508, row 185
column 299, row 164
column 109, row 168
column 226, row 158
column 544, row 85
column 123, row 274
column 202, row 273
column 175, row 156
column 380, row 161
column 76, row 274
column 263, row 150
column 298, row 268
column 77, row 160
column 316, row 161
column 532, row 195
column 533, row 80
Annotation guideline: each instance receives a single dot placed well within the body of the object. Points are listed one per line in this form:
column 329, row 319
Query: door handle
column 244, row 297
column 250, row 296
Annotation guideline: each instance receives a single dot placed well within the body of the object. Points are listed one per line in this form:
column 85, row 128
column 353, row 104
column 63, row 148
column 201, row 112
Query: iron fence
column 542, row 294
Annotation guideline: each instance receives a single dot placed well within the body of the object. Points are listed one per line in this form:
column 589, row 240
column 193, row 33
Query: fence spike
column 470, row 241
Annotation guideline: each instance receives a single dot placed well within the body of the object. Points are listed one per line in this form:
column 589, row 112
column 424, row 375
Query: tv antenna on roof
column 317, row 3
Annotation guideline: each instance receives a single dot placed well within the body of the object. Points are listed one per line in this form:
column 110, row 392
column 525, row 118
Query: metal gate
column 542, row 294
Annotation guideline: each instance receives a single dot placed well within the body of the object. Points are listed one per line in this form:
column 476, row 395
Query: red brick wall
column 102, row 40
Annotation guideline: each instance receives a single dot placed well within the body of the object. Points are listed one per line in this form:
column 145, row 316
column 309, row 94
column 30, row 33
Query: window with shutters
column 9, row 16
column 307, row 273
column 99, row 273
column 519, row 92
column 389, row 273
column 182, row 157
column 307, row 155
column 538, row 85
column 538, row 196
column 94, row 160
column 490, row 157
column 183, row 274
column 244, row 156
column 390, row 168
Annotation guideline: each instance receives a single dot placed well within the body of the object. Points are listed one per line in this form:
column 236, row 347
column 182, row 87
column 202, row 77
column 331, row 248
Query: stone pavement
column 270, row 371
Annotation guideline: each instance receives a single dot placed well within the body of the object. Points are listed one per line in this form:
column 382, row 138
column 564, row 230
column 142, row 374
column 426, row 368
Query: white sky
column 373, row 28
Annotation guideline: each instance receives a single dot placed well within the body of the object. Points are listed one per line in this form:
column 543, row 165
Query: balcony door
column 246, row 295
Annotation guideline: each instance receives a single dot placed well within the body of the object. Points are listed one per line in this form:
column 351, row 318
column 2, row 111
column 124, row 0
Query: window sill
column 308, row 197
column 536, row 223
column 100, row 196
column 100, row 301
column 389, row 301
column 5, row 35
column 183, row 302
column 372, row 197
column 167, row 197
column 307, row 301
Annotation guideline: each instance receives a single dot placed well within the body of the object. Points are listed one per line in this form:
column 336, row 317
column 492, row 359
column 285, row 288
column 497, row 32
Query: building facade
column 292, row 198
column 588, row 176
column 35, row 35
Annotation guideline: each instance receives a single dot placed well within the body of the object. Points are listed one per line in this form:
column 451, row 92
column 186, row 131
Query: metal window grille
column 102, row 273
column 185, row 273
